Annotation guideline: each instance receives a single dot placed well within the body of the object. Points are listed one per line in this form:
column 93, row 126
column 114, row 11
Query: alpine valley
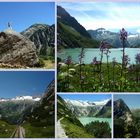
column 83, row 119
column 93, row 59
column 28, row 116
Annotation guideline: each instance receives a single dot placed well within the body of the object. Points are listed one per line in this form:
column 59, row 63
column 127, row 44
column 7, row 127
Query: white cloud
column 110, row 15
column 138, row 30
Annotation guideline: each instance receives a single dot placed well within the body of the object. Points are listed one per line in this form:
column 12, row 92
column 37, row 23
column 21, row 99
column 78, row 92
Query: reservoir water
column 90, row 53
column 86, row 120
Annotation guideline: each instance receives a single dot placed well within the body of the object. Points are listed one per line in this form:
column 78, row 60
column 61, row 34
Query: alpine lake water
column 90, row 53
column 86, row 120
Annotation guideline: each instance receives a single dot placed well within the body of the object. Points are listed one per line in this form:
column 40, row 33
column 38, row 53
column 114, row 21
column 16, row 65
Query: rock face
column 105, row 111
column 15, row 49
column 43, row 37
column 121, row 110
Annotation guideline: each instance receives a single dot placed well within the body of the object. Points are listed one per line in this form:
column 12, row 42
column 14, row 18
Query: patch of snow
column 21, row 98
column 133, row 36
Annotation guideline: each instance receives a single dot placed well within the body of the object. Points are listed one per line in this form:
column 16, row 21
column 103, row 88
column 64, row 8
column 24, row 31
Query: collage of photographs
column 70, row 69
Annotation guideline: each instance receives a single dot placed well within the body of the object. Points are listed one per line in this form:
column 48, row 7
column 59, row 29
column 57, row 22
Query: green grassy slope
column 72, row 126
column 68, row 37
column 6, row 129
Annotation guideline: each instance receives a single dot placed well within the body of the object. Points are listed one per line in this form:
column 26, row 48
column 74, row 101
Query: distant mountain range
column 21, row 98
column 113, row 38
column 71, row 34
column 90, row 109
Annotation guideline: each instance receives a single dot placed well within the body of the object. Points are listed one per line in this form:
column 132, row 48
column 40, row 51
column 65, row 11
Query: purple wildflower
column 104, row 46
column 68, row 60
column 137, row 58
column 123, row 34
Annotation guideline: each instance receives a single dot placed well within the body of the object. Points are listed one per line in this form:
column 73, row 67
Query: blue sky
column 24, row 14
column 16, row 83
column 132, row 100
column 109, row 15
column 86, row 97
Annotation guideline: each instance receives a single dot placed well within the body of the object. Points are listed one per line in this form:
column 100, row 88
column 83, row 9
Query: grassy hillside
column 72, row 126
column 6, row 129
column 68, row 37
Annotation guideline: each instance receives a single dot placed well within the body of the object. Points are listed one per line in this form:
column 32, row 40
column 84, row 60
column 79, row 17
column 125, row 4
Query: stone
column 17, row 50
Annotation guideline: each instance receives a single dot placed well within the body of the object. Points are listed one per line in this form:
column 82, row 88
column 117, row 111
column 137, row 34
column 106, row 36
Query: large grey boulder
column 15, row 49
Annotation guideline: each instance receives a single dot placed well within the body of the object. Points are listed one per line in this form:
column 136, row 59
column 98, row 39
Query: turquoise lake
column 86, row 120
column 90, row 53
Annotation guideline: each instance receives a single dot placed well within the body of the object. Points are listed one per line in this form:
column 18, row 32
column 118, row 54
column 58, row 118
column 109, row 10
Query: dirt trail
column 60, row 130
column 19, row 132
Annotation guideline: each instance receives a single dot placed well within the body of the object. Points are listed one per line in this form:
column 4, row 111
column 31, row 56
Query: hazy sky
column 16, row 83
column 24, row 14
column 86, row 97
column 132, row 100
column 110, row 15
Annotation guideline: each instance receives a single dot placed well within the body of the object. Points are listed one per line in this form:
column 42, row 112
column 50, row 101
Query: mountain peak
column 101, row 29
column 65, row 18
column 120, row 108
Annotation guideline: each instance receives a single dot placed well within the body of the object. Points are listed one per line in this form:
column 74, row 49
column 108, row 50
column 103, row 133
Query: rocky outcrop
column 121, row 110
column 43, row 37
column 15, row 49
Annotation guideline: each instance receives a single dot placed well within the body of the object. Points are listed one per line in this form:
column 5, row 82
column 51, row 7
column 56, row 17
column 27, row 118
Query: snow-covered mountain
column 102, row 34
column 20, row 98
column 113, row 39
column 86, row 103
column 134, row 40
column 85, row 108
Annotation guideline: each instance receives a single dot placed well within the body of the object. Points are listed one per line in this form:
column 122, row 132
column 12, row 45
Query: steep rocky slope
column 43, row 37
column 40, row 121
column 105, row 111
column 121, row 110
